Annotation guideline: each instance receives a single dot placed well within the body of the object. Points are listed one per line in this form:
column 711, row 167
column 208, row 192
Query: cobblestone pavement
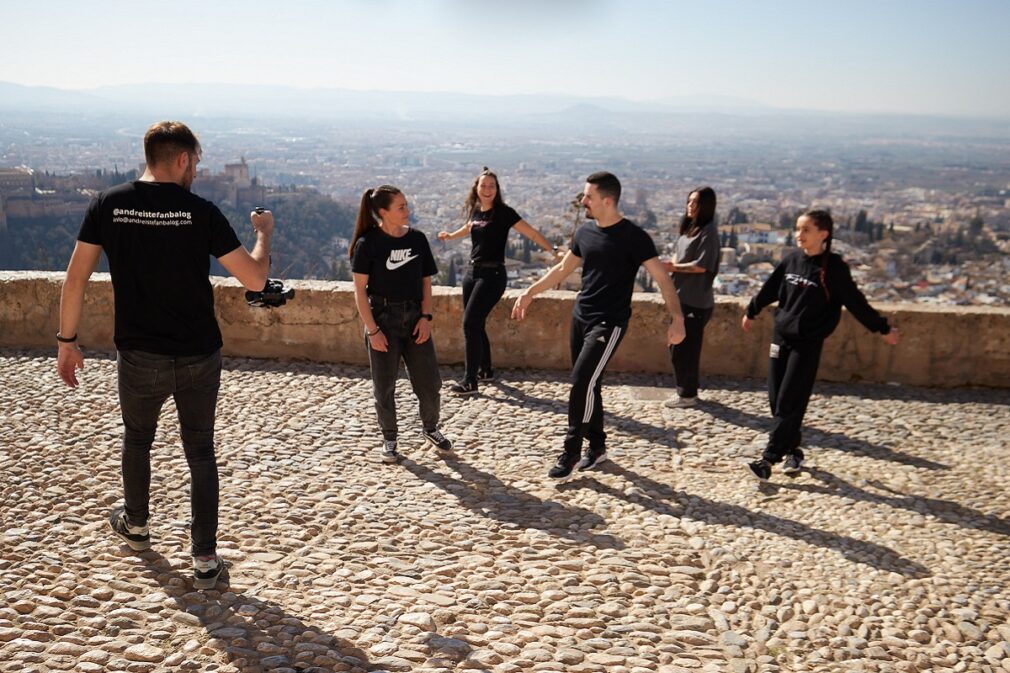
column 889, row 553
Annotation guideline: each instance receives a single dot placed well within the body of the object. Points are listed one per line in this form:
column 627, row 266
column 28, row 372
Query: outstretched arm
column 450, row 235
column 675, row 333
column 557, row 273
column 683, row 267
column 82, row 264
column 524, row 228
column 768, row 293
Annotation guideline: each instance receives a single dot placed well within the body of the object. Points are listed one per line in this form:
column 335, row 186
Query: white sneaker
column 680, row 402
column 390, row 452
column 206, row 570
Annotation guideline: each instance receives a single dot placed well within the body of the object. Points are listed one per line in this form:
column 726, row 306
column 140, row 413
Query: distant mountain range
column 667, row 116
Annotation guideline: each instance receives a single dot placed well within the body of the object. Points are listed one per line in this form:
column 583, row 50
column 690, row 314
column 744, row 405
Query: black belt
column 486, row 265
column 382, row 301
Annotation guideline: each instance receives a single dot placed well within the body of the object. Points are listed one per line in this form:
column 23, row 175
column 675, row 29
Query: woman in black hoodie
column 810, row 285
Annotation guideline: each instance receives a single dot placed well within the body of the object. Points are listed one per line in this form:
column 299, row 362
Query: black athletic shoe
column 206, row 570
column 437, row 439
column 485, row 375
column 563, row 468
column 591, row 458
column 389, row 451
column 137, row 537
column 761, row 469
column 463, row 389
column 793, row 463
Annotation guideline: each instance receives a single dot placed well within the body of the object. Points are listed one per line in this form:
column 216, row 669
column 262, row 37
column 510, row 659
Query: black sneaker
column 206, row 570
column 563, row 468
column 389, row 451
column 793, row 463
column 437, row 439
column 137, row 537
column 761, row 469
column 591, row 458
column 485, row 375
column 463, row 388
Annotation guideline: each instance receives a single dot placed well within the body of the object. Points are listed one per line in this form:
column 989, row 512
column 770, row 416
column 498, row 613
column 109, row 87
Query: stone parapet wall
column 942, row 346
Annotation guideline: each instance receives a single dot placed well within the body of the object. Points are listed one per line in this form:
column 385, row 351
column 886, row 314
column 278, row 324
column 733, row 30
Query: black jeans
column 686, row 356
column 146, row 380
column 592, row 347
column 483, row 288
column 397, row 322
column 792, row 370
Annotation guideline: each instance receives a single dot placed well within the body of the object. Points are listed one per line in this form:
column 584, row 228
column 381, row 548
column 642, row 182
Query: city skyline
column 936, row 57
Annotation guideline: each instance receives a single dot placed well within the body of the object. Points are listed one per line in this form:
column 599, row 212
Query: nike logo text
column 398, row 258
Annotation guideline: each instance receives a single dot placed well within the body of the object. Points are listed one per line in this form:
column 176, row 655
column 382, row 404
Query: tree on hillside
column 975, row 226
column 860, row 222
column 736, row 216
column 450, row 276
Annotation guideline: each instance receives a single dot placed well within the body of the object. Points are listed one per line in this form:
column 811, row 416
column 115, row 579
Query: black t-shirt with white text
column 395, row 266
column 158, row 238
column 610, row 260
column 489, row 231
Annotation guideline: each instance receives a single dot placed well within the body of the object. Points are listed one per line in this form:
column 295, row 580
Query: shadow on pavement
column 664, row 499
column 819, row 438
column 488, row 496
column 944, row 510
column 654, row 433
column 237, row 619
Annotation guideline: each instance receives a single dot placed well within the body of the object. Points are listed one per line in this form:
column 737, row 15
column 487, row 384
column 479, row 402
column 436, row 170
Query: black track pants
column 592, row 347
column 792, row 370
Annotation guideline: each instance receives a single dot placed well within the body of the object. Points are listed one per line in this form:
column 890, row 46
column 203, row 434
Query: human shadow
column 819, row 438
column 486, row 495
column 664, row 499
column 943, row 510
column 236, row 619
column 653, row 433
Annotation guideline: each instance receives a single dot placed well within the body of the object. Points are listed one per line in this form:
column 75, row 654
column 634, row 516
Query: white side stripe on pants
column 615, row 336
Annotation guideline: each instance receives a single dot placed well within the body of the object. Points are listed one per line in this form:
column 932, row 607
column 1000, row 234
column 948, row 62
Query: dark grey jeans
column 146, row 380
column 397, row 322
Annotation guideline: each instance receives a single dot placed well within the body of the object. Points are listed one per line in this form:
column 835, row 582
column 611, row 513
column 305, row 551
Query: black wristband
column 65, row 340
column 371, row 334
column 427, row 316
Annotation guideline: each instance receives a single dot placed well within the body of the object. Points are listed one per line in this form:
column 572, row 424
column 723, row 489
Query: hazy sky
column 918, row 56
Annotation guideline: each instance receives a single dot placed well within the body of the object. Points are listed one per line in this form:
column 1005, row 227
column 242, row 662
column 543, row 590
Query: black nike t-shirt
column 489, row 231
column 395, row 266
column 610, row 260
column 158, row 238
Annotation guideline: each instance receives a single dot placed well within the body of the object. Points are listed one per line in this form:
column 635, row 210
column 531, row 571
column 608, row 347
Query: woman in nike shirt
column 392, row 266
column 810, row 285
column 488, row 221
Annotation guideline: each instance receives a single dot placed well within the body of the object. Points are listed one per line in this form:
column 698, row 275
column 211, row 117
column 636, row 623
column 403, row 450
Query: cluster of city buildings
column 543, row 192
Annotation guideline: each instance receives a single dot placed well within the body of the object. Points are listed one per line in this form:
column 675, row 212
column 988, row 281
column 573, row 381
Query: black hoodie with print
column 811, row 294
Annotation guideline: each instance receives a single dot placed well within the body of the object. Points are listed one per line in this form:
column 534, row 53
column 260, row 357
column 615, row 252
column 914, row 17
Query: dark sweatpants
column 686, row 356
column 792, row 370
column 592, row 347
column 483, row 287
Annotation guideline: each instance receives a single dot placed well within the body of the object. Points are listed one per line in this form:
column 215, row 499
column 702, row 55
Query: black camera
column 273, row 294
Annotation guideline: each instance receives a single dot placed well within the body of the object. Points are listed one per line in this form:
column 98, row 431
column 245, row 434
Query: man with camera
column 158, row 238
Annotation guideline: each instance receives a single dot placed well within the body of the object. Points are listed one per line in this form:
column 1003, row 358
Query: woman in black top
column 392, row 266
column 488, row 221
column 810, row 285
